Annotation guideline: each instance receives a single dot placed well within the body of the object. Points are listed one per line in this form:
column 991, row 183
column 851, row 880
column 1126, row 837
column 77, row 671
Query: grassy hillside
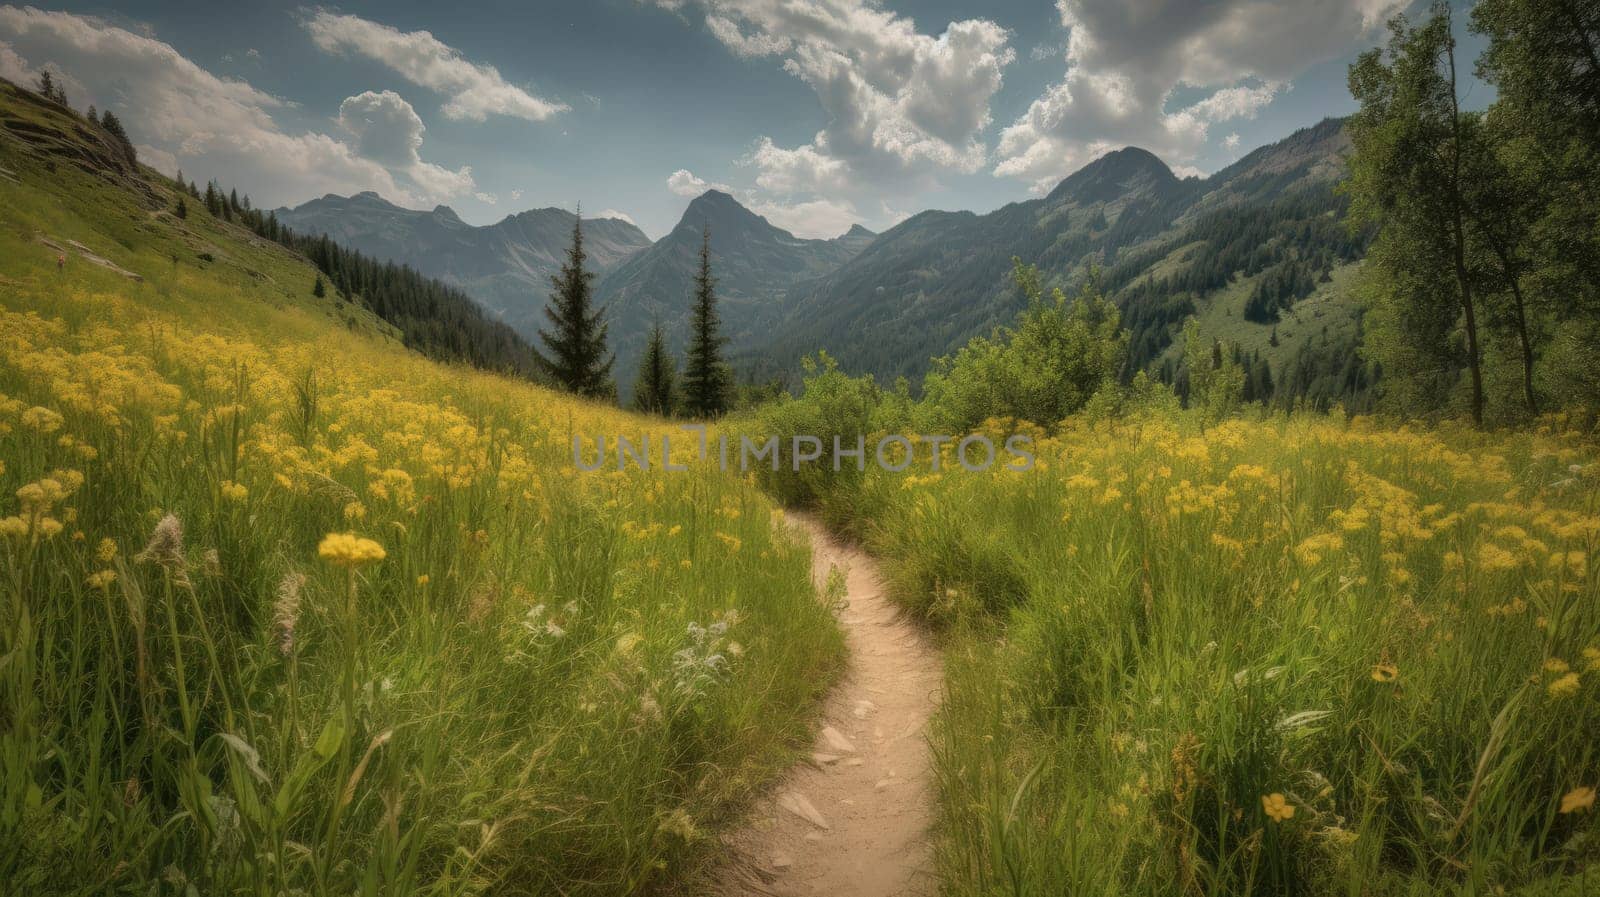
column 289, row 609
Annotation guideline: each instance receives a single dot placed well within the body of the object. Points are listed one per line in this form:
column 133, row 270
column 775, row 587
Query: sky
column 818, row 114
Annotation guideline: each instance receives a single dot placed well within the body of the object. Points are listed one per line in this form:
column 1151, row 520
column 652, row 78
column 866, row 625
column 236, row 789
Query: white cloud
column 813, row 219
column 487, row 199
column 686, row 183
column 901, row 106
column 1126, row 58
column 182, row 114
column 388, row 131
column 620, row 216
column 14, row 68
column 1231, row 142
column 158, row 158
column 516, row 195
column 476, row 90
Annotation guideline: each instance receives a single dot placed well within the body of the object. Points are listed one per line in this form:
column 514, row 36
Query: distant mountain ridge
column 506, row 266
column 1169, row 248
column 755, row 264
column 929, row 284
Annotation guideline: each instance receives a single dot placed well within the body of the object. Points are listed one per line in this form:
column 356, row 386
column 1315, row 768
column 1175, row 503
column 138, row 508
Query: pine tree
column 212, row 205
column 94, row 117
column 113, row 126
column 655, row 392
column 705, row 376
column 182, row 211
column 317, row 289
column 576, row 342
column 50, row 89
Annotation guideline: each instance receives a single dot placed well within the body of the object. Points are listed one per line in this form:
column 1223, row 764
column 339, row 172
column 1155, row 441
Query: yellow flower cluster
column 349, row 550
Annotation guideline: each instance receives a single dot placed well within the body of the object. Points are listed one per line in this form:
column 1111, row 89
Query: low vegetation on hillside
column 288, row 609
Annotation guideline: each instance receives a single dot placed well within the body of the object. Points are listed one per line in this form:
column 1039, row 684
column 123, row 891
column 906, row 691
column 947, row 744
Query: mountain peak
column 1113, row 175
column 856, row 230
column 722, row 213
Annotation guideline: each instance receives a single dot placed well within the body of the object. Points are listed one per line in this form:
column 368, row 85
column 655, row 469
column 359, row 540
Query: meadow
column 1272, row 655
column 288, row 609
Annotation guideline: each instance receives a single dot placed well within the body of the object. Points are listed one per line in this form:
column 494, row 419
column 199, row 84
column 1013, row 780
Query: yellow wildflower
column 1564, row 687
column 234, row 491
column 349, row 550
column 106, row 551
column 1577, row 800
column 1277, row 807
column 1385, row 672
column 102, row 580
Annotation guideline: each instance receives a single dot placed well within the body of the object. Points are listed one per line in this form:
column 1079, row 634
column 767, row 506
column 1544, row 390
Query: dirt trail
column 855, row 819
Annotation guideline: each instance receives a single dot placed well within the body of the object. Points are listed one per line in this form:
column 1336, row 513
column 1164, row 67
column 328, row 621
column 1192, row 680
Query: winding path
column 855, row 819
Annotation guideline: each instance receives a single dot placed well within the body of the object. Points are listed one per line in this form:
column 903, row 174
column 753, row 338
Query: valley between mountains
column 1257, row 253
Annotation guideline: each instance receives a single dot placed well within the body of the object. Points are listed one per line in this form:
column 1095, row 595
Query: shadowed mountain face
column 929, row 284
column 506, row 266
column 756, row 265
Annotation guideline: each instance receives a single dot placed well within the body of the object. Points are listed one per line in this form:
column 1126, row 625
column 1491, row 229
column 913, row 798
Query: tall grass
column 288, row 610
column 1286, row 656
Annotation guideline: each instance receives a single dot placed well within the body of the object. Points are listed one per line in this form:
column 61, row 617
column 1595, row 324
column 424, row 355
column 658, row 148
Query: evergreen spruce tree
column 576, row 355
column 655, row 391
column 705, row 376
column 317, row 289
column 183, row 209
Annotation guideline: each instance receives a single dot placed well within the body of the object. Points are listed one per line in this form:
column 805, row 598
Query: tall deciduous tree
column 576, row 356
column 655, row 392
column 1407, row 178
column 705, row 379
column 1543, row 58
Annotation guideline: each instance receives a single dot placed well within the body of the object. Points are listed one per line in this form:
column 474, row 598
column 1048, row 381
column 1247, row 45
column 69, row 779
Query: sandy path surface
column 855, row 819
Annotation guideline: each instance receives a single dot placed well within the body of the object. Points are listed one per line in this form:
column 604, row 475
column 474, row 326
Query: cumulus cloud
column 516, row 195
column 182, row 115
column 620, row 216
column 901, row 106
column 487, row 199
column 686, row 183
column 388, row 131
column 476, row 90
column 1231, row 142
column 14, row 68
column 1125, row 59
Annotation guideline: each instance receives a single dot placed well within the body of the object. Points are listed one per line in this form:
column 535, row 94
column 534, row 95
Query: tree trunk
column 1522, row 325
column 1458, row 239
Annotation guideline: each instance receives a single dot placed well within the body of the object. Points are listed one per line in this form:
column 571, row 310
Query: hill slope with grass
column 288, row 608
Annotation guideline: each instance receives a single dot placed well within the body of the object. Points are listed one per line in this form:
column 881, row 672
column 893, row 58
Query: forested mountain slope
column 755, row 263
column 505, row 266
column 1266, row 233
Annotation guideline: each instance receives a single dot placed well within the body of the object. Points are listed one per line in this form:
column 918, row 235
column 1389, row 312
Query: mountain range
column 1258, row 252
column 506, row 266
